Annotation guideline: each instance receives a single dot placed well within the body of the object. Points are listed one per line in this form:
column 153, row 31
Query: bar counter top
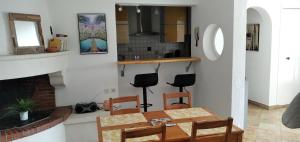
column 157, row 61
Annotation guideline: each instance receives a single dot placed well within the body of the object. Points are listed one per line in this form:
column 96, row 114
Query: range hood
column 147, row 21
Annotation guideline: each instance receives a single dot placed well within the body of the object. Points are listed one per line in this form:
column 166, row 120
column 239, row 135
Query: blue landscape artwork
column 92, row 34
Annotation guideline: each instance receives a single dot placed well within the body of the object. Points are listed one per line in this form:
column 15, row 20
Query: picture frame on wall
column 92, row 33
column 252, row 37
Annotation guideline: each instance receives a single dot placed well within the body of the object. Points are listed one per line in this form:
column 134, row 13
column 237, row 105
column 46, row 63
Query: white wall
column 290, row 4
column 87, row 75
column 214, row 77
column 221, row 83
column 258, row 63
column 273, row 8
column 54, row 134
column 239, row 101
column 29, row 7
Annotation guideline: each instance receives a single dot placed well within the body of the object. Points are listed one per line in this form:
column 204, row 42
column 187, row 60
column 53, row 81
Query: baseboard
column 266, row 106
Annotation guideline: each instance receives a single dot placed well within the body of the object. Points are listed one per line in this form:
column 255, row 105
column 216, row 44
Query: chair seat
column 145, row 80
column 184, row 80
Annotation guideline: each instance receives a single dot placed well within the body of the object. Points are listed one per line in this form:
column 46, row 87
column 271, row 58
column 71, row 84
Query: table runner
column 187, row 113
column 123, row 119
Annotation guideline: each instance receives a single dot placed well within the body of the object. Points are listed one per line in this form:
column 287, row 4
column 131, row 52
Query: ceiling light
column 156, row 11
column 138, row 10
column 120, row 9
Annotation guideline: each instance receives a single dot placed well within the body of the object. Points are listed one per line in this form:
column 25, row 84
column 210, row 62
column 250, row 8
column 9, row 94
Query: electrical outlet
column 113, row 90
column 106, row 91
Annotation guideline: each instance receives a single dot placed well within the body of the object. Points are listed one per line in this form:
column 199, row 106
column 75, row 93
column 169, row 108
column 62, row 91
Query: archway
column 258, row 55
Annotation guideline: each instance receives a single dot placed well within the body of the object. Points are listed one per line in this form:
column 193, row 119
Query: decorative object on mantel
column 92, row 33
column 54, row 45
column 23, row 107
column 63, row 39
column 58, row 43
column 26, row 33
column 252, row 43
column 196, row 34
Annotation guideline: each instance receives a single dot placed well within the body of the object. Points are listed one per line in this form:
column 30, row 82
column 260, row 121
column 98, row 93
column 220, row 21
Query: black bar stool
column 144, row 81
column 183, row 80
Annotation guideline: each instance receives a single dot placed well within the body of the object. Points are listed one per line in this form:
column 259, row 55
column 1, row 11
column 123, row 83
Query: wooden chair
column 123, row 100
column 174, row 95
column 210, row 125
column 144, row 132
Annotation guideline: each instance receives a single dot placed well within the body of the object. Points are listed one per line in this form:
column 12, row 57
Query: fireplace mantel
column 20, row 66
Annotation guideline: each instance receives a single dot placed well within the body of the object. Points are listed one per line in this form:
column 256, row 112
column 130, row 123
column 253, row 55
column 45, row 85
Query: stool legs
column 145, row 103
column 180, row 99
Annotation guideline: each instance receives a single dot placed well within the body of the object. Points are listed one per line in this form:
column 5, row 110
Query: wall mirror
column 26, row 33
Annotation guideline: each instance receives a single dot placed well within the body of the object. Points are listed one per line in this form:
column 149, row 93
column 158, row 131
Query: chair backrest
column 183, row 80
column 145, row 80
column 144, row 132
column 210, row 125
column 124, row 100
column 173, row 95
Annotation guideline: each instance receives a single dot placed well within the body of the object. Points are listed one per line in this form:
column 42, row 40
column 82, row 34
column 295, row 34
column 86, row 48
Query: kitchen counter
column 85, row 117
column 162, row 60
column 82, row 127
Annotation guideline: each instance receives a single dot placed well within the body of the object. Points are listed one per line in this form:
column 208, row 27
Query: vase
column 24, row 116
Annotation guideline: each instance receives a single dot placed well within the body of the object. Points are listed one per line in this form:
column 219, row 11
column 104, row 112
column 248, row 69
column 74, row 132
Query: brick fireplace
column 38, row 88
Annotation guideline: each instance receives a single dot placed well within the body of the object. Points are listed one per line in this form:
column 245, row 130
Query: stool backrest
column 182, row 80
column 125, row 99
column 210, row 125
column 173, row 95
column 144, row 132
column 145, row 80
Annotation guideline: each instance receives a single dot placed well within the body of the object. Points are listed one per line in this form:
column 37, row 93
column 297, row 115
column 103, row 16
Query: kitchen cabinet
column 122, row 26
column 175, row 15
column 174, row 33
column 175, row 24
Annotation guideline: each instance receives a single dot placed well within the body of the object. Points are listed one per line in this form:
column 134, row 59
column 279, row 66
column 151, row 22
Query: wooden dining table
column 109, row 127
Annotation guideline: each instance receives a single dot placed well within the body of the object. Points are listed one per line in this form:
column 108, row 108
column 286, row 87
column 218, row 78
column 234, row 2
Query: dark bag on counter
column 86, row 107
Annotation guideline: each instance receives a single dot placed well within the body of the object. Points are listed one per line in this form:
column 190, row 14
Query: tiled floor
column 265, row 126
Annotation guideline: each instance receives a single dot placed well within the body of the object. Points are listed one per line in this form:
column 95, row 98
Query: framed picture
column 252, row 43
column 92, row 33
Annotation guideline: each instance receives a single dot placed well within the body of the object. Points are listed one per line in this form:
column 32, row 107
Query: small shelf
column 32, row 56
column 157, row 61
column 20, row 66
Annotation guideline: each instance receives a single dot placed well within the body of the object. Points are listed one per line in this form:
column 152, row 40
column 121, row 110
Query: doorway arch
column 258, row 62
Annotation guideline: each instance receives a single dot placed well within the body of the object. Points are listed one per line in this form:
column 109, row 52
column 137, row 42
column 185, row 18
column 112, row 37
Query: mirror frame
column 28, row 49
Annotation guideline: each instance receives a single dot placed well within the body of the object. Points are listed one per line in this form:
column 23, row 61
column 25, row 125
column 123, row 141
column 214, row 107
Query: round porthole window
column 213, row 42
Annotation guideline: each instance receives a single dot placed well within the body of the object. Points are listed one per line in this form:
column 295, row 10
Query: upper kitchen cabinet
column 122, row 25
column 175, row 24
column 175, row 15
